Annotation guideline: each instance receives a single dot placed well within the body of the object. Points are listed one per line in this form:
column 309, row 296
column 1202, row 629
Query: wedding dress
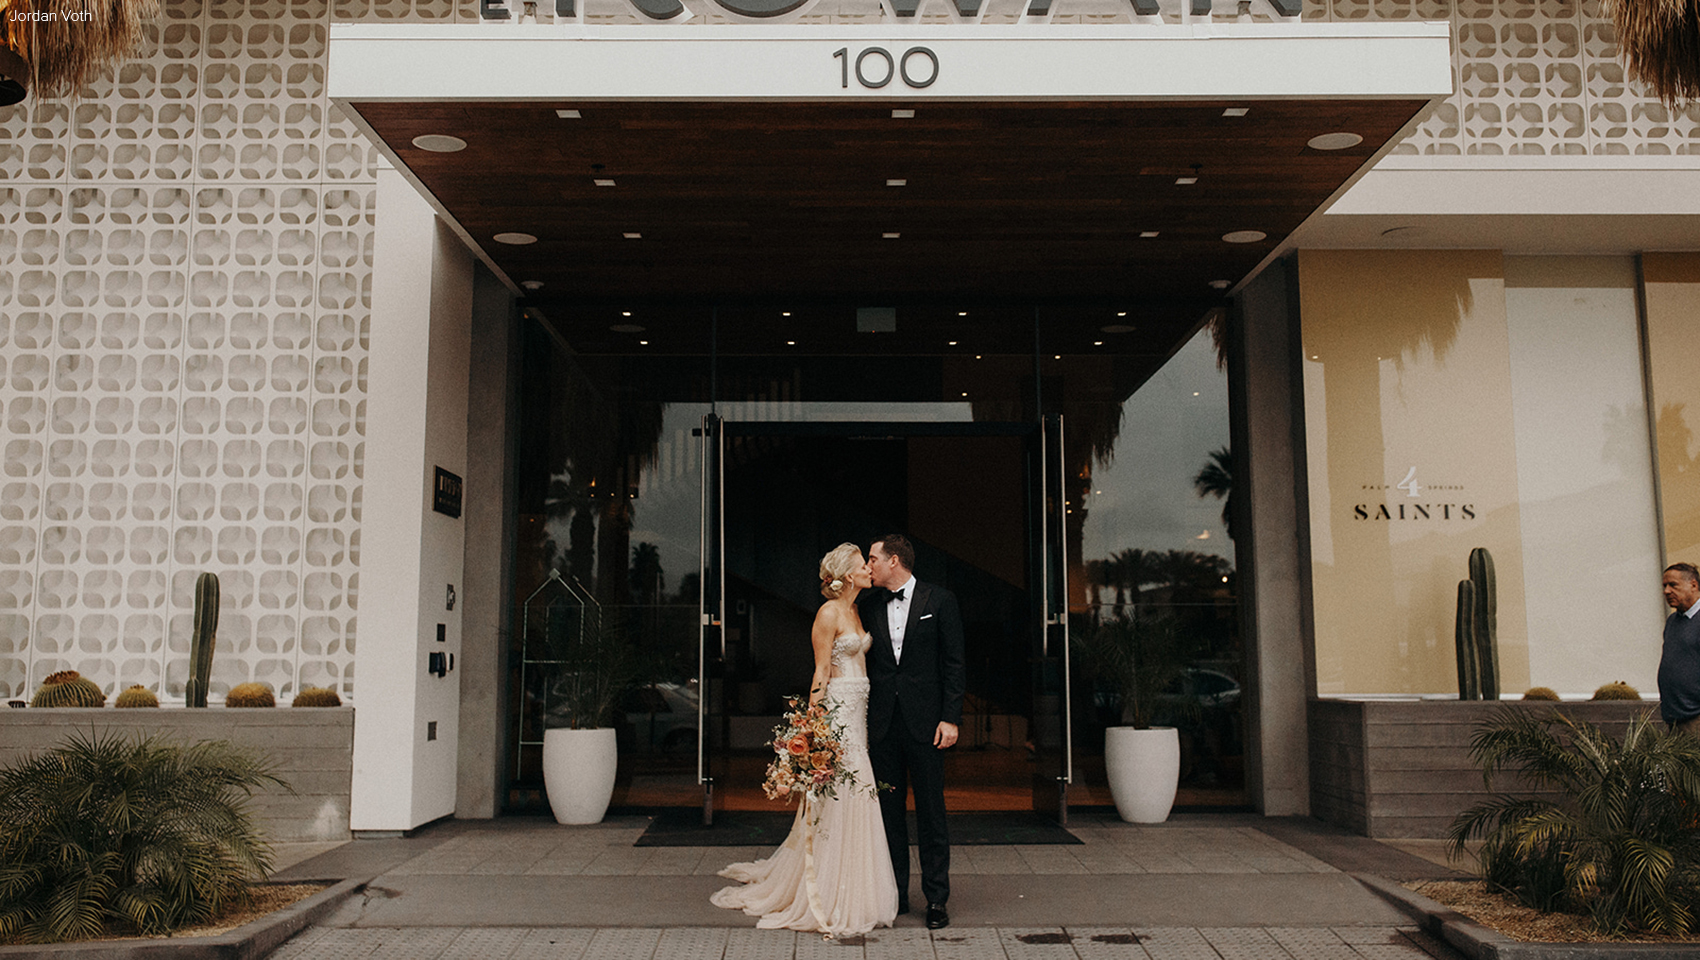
column 832, row 874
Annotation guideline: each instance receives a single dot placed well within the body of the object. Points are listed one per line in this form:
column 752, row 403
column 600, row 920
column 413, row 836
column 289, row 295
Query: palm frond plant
column 1659, row 41
column 143, row 835
column 57, row 47
column 1621, row 842
column 1140, row 656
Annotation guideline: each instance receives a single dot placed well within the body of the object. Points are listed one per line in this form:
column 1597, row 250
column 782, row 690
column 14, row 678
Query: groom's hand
column 946, row 735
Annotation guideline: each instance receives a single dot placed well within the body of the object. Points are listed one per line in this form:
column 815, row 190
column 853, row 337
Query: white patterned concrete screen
column 185, row 273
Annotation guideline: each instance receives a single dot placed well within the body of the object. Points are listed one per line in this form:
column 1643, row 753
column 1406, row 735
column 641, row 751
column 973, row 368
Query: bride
column 832, row 875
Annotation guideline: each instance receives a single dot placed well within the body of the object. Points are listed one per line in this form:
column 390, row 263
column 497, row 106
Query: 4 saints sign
column 1398, row 506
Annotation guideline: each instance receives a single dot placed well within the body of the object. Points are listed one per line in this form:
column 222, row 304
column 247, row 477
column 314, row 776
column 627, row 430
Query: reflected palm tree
column 647, row 573
column 1216, row 479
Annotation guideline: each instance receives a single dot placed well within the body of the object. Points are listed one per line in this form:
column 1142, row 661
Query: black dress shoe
column 902, row 907
column 937, row 919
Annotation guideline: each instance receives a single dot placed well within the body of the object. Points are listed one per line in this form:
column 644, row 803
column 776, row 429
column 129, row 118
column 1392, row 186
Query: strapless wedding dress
column 832, row 874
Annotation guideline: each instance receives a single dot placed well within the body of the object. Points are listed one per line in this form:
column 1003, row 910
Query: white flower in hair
column 836, row 583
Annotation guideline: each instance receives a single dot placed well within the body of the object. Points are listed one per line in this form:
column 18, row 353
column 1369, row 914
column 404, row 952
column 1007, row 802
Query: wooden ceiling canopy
column 760, row 201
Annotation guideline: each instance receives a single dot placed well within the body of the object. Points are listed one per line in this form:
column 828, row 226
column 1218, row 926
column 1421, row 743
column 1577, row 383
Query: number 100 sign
column 875, row 67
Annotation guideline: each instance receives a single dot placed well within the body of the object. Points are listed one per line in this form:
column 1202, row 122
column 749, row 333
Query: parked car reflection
column 662, row 717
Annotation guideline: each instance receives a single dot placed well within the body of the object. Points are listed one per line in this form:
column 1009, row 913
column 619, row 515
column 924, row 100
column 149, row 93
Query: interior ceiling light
column 531, row 284
column 625, row 313
column 603, row 183
column 1121, row 313
column 514, row 239
column 1117, row 328
column 902, row 114
column 1185, row 181
column 951, row 343
column 1221, row 284
column 790, row 343
column 962, row 313
column 897, row 183
column 643, row 343
column 632, row 236
column 785, row 313
column 890, row 236
column 1235, row 111
column 439, row 143
column 1245, row 236
column 1097, row 343
column 569, row 114
column 1334, row 141
column 627, row 328
column 1147, row 234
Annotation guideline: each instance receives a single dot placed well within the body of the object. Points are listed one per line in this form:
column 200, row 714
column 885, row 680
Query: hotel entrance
column 682, row 469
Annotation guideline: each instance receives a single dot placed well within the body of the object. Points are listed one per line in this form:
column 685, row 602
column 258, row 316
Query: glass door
column 1053, row 738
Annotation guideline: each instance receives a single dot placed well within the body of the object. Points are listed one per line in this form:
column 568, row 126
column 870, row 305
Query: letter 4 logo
column 1410, row 485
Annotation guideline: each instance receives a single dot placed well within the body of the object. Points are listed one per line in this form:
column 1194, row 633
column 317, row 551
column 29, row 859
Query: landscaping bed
column 1503, row 913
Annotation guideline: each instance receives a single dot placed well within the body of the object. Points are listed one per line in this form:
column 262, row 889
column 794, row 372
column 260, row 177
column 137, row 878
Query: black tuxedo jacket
column 931, row 679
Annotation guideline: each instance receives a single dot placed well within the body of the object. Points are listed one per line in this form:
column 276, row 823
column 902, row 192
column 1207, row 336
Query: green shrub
column 1623, row 842
column 143, row 834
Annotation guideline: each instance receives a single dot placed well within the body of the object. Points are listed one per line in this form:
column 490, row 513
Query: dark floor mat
column 682, row 827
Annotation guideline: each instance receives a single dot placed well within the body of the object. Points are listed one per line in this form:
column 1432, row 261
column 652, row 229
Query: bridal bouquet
column 809, row 743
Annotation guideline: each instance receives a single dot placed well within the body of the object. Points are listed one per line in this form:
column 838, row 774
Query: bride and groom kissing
column 889, row 656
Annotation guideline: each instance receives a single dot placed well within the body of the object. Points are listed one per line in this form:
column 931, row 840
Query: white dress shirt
column 1689, row 613
column 897, row 617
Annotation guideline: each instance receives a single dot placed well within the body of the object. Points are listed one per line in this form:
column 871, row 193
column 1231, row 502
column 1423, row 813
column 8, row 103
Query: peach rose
column 798, row 746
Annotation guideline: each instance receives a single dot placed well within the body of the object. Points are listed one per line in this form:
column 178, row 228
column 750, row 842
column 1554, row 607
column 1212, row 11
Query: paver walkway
column 1201, row 887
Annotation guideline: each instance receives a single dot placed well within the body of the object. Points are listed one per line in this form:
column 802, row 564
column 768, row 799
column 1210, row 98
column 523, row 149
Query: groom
column 916, row 679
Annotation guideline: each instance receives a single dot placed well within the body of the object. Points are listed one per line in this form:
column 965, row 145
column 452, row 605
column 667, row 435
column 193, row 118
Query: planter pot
column 578, row 773
column 1144, row 768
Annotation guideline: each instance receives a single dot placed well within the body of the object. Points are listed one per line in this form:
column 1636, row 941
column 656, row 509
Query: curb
column 247, row 942
column 1483, row 943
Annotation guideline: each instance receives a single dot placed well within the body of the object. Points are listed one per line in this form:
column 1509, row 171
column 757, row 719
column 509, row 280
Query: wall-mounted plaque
column 447, row 499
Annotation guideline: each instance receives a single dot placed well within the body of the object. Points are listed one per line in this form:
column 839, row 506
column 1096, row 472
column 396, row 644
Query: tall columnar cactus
column 202, row 640
column 1486, row 621
column 1464, row 642
column 1476, row 630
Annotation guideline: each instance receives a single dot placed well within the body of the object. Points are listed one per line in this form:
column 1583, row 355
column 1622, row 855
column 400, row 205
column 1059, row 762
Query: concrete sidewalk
column 1200, row 887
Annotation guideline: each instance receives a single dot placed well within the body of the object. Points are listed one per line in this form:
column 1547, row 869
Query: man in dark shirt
column 1679, row 664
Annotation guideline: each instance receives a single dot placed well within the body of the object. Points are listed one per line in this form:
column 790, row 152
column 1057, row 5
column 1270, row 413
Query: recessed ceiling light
column 1057, row 357
column 951, row 343
column 1097, row 343
column 1121, row 313
column 439, row 143
column 962, row 313
column 625, row 313
column 627, row 328
column 785, row 313
column 902, row 114
column 1195, row 393
column 890, row 236
column 1334, row 141
column 1184, row 181
column 632, row 236
column 1147, row 234
column 1117, row 328
column 1221, row 284
column 602, row 183
column 897, row 183
column 531, row 284
column 568, row 114
column 514, row 239
column 1245, row 236
column 790, row 343
column 643, row 343
column 1235, row 111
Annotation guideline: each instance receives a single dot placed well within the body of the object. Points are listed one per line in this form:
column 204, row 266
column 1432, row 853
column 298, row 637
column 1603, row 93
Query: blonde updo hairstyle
column 835, row 569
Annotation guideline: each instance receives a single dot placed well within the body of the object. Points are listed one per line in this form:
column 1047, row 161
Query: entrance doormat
column 682, row 827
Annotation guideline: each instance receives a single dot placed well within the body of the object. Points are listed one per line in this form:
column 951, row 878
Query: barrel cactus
column 316, row 697
column 250, row 695
column 1617, row 690
column 1540, row 693
column 68, row 688
column 136, row 696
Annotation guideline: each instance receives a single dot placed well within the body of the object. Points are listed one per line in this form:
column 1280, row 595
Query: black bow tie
column 897, row 594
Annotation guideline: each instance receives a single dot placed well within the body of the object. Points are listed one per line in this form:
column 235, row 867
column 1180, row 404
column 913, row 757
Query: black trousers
column 904, row 762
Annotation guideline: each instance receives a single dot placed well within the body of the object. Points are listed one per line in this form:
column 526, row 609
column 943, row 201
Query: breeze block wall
column 185, row 268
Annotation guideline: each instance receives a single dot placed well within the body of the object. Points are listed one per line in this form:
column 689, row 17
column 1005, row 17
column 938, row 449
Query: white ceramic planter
column 1144, row 768
column 578, row 772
